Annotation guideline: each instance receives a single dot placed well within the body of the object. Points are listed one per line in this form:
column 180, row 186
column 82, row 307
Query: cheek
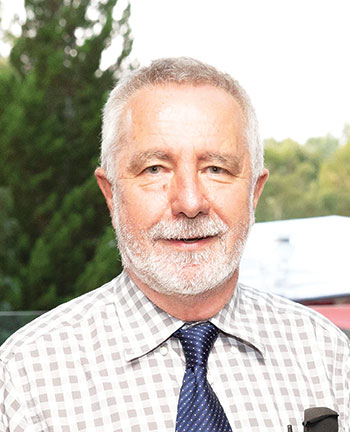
column 143, row 207
column 231, row 204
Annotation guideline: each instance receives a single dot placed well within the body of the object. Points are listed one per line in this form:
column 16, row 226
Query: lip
column 193, row 245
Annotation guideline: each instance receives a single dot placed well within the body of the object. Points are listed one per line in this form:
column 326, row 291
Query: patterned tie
column 199, row 408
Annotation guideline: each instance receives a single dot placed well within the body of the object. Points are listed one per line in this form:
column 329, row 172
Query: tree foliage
column 335, row 182
column 306, row 180
column 52, row 91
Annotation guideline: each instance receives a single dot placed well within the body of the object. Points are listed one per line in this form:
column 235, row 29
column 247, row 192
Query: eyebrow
column 139, row 159
column 234, row 163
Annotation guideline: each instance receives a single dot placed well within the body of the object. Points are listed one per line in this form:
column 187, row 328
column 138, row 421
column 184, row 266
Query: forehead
column 148, row 103
column 182, row 112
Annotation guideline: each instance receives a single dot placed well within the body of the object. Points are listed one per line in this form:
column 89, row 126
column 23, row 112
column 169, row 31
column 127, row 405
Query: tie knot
column 197, row 342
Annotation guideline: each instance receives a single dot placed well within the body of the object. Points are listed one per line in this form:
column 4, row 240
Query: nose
column 186, row 196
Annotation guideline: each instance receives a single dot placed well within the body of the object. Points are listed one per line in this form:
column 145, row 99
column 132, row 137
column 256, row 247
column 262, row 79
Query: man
column 182, row 172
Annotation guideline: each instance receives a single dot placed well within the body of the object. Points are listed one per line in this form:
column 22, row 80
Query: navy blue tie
column 199, row 408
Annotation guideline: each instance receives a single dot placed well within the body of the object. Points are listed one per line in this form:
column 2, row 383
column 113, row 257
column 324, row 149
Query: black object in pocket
column 320, row 419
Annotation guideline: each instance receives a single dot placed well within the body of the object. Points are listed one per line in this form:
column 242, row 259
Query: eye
column 154, row 169
column 216, row 170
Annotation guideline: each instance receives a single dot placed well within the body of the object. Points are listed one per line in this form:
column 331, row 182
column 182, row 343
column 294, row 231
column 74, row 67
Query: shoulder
column 60, row 321
column 295, row 320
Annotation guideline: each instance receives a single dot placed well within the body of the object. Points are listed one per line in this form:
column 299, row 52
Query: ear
column 259, row 186
column 106, row 188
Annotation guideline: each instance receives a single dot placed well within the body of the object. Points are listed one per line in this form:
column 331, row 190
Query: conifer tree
column 49, row 142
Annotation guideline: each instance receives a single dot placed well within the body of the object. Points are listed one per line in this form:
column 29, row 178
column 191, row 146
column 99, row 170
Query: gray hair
column 182, row 70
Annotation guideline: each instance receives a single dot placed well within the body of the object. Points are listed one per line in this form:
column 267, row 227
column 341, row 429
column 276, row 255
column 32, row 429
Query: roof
column 338, row 314
column 299, row 258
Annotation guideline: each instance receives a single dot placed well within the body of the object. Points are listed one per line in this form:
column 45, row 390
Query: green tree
column 10, row 293
column 49, row 141
column 306, row 180
column 335, row 182
column 322, row 147
column 292, row 189
column 9, row 284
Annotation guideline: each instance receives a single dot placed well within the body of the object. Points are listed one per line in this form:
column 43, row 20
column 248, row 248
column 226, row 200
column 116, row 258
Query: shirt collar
column 145, row 326
column 238, row 318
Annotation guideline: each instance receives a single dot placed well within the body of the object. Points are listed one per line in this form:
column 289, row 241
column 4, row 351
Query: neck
column 190, row 307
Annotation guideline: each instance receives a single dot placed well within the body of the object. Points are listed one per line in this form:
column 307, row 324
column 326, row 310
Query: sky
column 292, row 56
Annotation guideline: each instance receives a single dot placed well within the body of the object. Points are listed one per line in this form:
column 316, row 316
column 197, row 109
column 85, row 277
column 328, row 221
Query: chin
column 189, row 281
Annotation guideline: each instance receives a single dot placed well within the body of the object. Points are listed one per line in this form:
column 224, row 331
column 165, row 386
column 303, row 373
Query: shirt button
column 164, row 350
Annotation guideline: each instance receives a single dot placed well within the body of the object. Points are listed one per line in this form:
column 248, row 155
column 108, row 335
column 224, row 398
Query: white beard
column 180, row 273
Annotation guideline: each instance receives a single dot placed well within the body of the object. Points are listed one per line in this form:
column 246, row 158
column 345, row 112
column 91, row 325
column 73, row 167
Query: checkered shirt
column 106, row 361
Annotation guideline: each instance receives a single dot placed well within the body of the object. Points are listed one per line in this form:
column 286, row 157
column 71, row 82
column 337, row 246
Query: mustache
column 185, row 228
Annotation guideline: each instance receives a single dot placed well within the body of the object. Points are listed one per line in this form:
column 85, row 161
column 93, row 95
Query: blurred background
column 58, row 61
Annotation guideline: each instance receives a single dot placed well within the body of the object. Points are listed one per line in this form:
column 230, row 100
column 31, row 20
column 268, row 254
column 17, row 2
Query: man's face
column 183, row 201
